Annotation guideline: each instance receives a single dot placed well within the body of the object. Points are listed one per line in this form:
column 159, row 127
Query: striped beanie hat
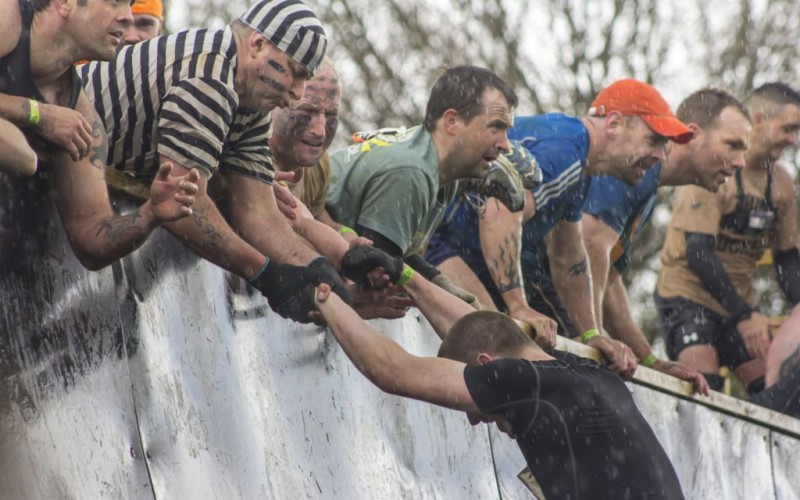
column 290, row 26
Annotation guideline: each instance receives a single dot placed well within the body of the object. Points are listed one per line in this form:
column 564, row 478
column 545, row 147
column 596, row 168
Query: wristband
column 260, row 271
column 33, row 115
column 345, row 229
column 405, row 276
column 589, row 335
column 649, row 361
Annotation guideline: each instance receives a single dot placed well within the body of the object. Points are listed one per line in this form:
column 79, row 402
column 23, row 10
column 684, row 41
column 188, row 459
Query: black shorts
column 684, row 323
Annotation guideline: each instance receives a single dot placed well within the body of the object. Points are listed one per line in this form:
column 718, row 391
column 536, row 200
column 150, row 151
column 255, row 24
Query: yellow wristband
column 589, row 334
column 33, row 116
column 650, row 360
column 406, row 275
column 345, row 229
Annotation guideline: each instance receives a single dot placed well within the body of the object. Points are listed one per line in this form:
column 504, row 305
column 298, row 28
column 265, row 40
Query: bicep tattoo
column 99, row 152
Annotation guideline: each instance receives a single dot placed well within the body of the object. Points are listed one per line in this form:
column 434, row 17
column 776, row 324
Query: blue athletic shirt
column 626, row 209
column 560, row 144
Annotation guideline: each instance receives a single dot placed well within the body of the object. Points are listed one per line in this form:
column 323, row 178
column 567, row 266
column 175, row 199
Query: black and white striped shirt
column 174, row 96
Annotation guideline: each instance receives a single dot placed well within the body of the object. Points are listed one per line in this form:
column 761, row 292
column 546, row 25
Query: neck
column 596, row 164
column 281, row 162
column 52, row 52
column 534, row 353
column 444, row 152
column 677, row 167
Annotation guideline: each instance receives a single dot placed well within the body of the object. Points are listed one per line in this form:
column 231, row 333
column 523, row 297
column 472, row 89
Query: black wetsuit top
column 578, row 428
column 16, row 79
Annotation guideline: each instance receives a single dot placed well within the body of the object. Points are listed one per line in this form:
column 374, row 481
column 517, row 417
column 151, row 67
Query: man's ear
column 64, row 7
column 698, row 132
column 613, row 123
column 256, row 43
column 484, row 358
column 451, row 119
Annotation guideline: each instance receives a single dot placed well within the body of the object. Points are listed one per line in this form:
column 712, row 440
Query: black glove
column 359, row 261
column 290, row 289
column 331, row 277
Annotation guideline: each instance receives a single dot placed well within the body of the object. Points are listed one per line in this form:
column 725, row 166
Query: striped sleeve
column 195, row 119
column 247, row 151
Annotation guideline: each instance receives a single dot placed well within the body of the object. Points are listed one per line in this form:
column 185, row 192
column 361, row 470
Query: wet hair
column 483, row 331
column 461, row 88
column 770, row 96
column 704, row 106
column 40, row 5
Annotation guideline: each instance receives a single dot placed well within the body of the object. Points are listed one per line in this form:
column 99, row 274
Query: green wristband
column 255, row 276
column 345, row 229
column 33, row 115
column 650, row 360
column 589, row 335
column 406, row 275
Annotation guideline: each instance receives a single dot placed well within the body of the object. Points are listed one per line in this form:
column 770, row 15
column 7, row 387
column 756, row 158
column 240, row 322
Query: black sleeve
column 787, row 265
column 704, row 263
column 418, row 263
column 379, row 241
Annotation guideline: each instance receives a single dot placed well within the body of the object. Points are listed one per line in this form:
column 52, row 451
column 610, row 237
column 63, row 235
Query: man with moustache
column 624, row 134
column 705, row 295
column 201, row 99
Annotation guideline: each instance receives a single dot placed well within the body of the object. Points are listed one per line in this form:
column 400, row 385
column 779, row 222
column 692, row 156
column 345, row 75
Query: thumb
column 164, row 171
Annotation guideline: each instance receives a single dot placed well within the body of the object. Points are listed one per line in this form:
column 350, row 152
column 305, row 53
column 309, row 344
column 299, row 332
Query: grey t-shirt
column 391, row 187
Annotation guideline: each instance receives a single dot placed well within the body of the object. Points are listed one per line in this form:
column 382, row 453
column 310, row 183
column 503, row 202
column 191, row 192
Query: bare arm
column 500, row 236
column 620, row 325
column 569, row 266
column 440, row 307
column 599, row 239
column 16, row 155
column 786, row 223
column 96, row 235
column 256, row 217
column 321, row 236
column 387, row 365
column 572, row 279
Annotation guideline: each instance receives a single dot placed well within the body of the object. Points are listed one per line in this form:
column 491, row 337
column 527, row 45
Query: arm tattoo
column 114, row 228
column 99, row 145
column 211, row 236
column 790, row 363
column 578, row 269
column 507, row 271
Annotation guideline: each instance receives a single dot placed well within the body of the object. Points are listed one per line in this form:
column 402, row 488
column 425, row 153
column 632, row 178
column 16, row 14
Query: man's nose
column 297, row 88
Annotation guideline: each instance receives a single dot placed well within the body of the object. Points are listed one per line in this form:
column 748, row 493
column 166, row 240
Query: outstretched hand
column 172, row 197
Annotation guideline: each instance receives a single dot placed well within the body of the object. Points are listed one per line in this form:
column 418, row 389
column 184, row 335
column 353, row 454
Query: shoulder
column 783, row 184
column 10, row 26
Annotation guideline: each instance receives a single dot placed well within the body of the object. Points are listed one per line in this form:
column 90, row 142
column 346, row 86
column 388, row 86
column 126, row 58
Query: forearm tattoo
column 790, row 363
column 578, row 269
column 506, row 271
column 116, row 228
column 210, row 235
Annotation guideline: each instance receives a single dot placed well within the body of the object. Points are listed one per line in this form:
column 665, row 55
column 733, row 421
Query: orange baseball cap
column 152, row 7
column 632, row 97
